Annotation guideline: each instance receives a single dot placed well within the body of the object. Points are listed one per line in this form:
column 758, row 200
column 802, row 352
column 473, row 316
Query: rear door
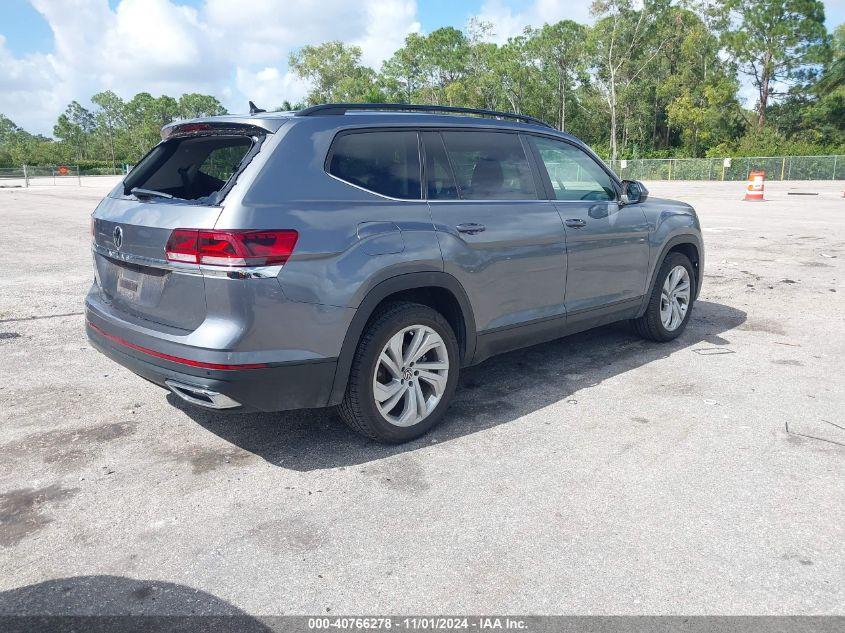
column 179, row 184
column 607, row 244
column 499, row 239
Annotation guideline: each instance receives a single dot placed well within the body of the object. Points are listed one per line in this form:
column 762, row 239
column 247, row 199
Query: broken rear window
column 192, row 168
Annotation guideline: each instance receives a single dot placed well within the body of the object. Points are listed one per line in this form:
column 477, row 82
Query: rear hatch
column 181, row 183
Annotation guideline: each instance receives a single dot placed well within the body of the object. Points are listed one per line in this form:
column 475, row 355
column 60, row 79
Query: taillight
column 230, row 248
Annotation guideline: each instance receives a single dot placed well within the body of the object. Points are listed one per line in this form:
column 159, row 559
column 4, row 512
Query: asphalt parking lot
column 598, row 474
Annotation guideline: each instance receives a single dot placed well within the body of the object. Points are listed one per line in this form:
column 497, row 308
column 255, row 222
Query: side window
column 383, row 162
column 438, row 173
column 574, row 174
column 490, row 166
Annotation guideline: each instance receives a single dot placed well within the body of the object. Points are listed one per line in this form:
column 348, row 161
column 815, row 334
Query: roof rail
column 342, row 108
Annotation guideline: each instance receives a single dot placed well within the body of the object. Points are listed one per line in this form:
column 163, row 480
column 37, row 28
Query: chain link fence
column 12, row 177
column 776, row 168
column 27, row 175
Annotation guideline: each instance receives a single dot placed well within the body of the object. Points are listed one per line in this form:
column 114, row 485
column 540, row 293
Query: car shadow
column 115, row 604
column 498, row 391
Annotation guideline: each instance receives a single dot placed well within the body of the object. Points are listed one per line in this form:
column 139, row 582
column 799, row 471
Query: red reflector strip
column 174, row 359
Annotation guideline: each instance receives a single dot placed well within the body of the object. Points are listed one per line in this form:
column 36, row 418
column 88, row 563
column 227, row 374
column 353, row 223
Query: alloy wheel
column 410, row 375
column 674, row 298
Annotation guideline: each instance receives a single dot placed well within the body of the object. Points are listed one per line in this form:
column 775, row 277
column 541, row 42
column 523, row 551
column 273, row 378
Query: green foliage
column 74, row 127
column 115, row 132
column 109, row 119
column 193, row 106
column 774, row 42
column 558, row 55
column 699, row 90
column 766, row 141
column 402, row 74
column 335, row 72
column 650, row 78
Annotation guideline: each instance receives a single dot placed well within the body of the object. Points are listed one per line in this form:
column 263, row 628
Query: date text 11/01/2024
column 418, row 623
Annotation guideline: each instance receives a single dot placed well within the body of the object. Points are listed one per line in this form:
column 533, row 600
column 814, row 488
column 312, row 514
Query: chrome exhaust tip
column 201, row 397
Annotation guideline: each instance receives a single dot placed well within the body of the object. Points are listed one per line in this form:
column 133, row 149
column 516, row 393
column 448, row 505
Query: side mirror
column 633, row 191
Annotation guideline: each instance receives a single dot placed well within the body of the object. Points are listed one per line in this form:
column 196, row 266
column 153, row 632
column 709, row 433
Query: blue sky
column 54, row 51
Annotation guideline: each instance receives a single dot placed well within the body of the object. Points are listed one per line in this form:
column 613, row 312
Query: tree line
column 651, row 79
column 113, row 133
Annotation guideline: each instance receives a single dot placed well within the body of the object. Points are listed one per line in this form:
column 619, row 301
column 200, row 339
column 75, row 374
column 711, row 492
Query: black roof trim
column 327, row 109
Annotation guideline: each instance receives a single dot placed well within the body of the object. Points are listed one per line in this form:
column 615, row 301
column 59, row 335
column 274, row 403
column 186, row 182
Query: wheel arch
column 687, row 244
column 438, row 290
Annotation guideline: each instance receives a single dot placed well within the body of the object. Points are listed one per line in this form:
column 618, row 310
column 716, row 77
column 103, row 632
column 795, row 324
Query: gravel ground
column 598, row 474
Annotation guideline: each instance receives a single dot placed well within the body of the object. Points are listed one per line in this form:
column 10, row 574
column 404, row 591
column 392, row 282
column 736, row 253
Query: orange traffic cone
column 754, row 191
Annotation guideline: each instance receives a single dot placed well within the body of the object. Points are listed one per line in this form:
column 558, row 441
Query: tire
column 652, row 324
column 374, row 364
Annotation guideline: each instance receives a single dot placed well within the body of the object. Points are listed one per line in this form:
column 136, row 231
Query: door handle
column 470, row 228
column 575, row 223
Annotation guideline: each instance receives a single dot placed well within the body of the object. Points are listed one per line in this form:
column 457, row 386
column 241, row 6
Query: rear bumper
column 276, row 387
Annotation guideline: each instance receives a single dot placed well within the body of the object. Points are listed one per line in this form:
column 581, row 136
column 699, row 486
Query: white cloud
column 388, row 23
column 508, row 23
column 27, row 87
column 143, row 45
column 269, row 85
column 159, row 46
column 153, row 40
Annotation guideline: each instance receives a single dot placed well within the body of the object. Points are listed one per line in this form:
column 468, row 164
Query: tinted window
column 384, row 162
column 438, row 172
column 490, row 166
column 574, row 174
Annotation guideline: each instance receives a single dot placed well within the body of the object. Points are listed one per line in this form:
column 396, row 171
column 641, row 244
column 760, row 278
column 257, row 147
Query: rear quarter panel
column 336, row 260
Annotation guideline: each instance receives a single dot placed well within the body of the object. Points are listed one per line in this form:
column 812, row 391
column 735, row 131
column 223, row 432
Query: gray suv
column 359, row 255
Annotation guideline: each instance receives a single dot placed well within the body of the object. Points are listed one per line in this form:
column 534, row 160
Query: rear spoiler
column 223, row 125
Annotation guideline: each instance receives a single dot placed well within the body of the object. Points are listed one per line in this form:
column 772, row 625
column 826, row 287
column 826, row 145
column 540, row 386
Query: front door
column 607, row 244
column 499, row 239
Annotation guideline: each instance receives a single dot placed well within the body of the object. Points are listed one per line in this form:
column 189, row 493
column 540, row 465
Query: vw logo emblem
column 407, row 374
column 117, row 236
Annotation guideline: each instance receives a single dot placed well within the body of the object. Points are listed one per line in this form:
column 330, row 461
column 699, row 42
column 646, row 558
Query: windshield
column 193, row 168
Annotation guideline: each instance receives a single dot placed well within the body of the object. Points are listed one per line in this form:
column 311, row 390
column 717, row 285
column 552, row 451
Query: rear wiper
column 138, row 192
